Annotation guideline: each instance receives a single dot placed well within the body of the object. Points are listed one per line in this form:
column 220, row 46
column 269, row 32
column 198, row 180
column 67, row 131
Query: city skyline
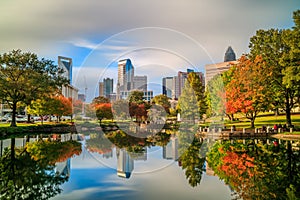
column 188, row 34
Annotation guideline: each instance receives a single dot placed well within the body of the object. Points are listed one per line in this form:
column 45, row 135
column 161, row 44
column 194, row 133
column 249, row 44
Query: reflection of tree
column 190, row 158
column 53, row 151
column 25, row 178
column 137, row 144
column 256, row 171
column 99, row 143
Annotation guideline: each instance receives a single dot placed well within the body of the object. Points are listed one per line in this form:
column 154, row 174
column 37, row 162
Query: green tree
column 136, row 96
column 199, row 91
column 163, row 101
column 280, row 49
column 24, row 77
column 187, row 104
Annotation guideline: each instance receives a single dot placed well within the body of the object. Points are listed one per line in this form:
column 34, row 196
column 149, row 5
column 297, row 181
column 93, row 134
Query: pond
column 167, row 165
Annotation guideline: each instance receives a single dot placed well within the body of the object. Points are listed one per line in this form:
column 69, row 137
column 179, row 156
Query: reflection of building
column 106, row 87
column 170, row 151
column 63, row 168
column 68, row 90
column 209, row 171
column 125, row 163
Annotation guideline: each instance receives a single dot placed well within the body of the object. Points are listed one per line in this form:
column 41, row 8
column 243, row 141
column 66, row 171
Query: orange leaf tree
column 248, row 90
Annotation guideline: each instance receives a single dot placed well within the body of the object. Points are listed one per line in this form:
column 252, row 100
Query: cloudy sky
column 160, row 37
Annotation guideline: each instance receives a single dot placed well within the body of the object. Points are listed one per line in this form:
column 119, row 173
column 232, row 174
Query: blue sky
column 160, row 37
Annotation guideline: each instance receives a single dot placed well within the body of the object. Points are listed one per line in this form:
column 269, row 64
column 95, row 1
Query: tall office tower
column 213, row 69
column 140, row 83
column 168, row 87
column 101, row 89
column 125, row 163
column 66, row 64
column 68, row 91
column 229, row 55
column 106, row 87
column 175, row 95
column 125, row 75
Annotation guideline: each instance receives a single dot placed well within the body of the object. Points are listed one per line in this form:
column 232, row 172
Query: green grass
column 266, row 120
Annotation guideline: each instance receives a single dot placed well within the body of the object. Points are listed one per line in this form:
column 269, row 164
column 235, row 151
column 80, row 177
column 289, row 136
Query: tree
column 199, row 91
column 136, row 96
column 280, row 50
column 247, row 92
column 24, row 77
column 61, row 106
column 103, row 110
column 163, row 101
column 100, row 99
column 120, row 109
column 187, row 104
column 77, row 107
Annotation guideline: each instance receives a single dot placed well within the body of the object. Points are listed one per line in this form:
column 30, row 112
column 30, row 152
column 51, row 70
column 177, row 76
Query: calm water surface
column 118, row 166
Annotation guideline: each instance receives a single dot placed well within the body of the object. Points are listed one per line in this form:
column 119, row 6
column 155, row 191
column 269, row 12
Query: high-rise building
column 106, row 87
column 66, row 64
column 229, row 55
column 213, row 69
column 125, row 75
column 69, row 90
column 140, row 83
column 168, row 86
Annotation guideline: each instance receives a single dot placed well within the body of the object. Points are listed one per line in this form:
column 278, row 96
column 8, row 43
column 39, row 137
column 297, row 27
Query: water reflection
column 35, row 168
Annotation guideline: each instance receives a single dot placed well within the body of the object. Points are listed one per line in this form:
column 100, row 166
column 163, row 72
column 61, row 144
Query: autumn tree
column 24, row 77
column 163, row 101
column 280, row 50
column 100, row 99
column 247, row 92
column 103, row 111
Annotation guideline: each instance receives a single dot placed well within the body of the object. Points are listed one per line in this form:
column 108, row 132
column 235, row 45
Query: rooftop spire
column 229, row 55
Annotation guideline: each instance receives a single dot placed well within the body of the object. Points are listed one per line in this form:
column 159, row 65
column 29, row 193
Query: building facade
column 125, row 75
column 140, row 83
column 106, row 87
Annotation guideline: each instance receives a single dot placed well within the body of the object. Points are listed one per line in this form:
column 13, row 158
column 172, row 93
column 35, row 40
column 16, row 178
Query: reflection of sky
column 155, row 178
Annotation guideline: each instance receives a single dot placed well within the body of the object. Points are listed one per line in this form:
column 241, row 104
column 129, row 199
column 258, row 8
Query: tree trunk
column 288, row 111
column 28, row 118
column 252, row 122
column 13, row 117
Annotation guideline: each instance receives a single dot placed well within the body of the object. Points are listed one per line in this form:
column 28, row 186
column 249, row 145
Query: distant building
column 106, row 87
column 229, row 55
column 148, row 95
column 168, row 86
column 66, row 64
column 140, row 83
column 125, row 75
column 81, row 97
column 68, row 91
column 213, row 69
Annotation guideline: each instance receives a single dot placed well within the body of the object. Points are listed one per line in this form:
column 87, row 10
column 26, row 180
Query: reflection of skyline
column 63, row 168
column 170, row 151
column 125, row 163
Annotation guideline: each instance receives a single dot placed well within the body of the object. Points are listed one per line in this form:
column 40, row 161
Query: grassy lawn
column 266, row 120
